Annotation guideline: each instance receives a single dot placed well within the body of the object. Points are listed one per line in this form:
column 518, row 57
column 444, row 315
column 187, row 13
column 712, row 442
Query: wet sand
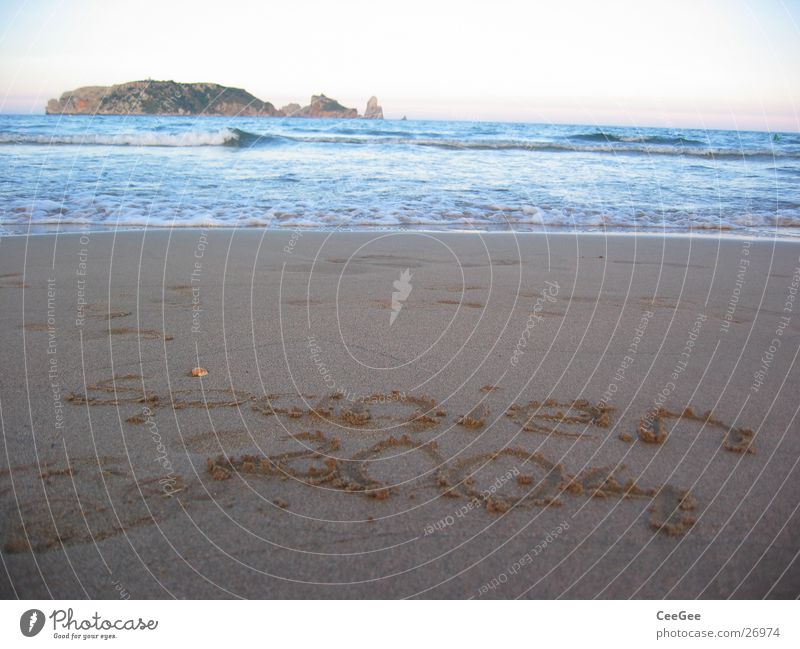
column 514, row 416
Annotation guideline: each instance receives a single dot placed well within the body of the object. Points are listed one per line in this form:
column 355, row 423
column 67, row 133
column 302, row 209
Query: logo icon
column 400, row 294
column 31, row 622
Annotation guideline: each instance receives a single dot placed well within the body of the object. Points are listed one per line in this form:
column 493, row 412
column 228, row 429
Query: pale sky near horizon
column 701, row 63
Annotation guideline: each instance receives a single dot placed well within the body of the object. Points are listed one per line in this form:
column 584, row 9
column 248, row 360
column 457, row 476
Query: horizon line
column 598, row 125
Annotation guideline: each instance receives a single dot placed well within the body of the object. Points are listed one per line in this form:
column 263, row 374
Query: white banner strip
column 354, row 624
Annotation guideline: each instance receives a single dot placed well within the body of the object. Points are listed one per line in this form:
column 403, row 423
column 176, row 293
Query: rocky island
column 160, row 98
column 322, row 106
column 174, row 98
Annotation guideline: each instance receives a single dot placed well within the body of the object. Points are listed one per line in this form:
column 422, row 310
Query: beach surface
column 398, row 414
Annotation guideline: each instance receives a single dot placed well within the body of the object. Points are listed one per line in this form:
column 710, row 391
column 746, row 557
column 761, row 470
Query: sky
column 674, row 63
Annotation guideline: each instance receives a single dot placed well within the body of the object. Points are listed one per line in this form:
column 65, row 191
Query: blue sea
column 74, row 173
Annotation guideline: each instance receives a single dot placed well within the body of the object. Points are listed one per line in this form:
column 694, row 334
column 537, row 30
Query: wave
column 601, row 136
column 597, row 142
column 486, row 220
column 246, row 139
column 650, row 145
column 221, row 137
column 232, row 137
column 622, row 147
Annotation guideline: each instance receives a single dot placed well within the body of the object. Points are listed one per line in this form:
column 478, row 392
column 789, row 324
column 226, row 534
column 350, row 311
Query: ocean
column 67, row 174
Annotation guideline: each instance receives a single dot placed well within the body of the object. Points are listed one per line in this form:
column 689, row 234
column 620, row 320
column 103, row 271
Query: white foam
column 189, row 138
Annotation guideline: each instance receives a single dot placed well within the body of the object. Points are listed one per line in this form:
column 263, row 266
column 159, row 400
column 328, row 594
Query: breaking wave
column 596, row 142
column 600, row 136
column 632, row 146
column 220, row 137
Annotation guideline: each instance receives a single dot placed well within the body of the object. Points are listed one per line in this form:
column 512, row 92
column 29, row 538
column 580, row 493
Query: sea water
column 71, row 173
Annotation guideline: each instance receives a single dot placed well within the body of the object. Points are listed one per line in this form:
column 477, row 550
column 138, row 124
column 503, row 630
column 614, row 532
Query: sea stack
column 374, row 110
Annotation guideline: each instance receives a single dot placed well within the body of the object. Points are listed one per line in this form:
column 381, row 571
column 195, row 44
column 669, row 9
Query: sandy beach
column 398, row 414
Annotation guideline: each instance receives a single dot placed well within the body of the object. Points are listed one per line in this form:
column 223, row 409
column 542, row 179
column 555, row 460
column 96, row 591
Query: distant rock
column 322, row 106
column 374, row 111
column 291, row 110
column 160, row 98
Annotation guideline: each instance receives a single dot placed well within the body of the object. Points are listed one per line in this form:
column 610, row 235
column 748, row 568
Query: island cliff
column 173, row 98
column 160, row 98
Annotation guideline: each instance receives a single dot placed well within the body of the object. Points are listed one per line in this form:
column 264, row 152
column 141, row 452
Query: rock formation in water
column 374, row 110
column 322, row 106
column 160, row 98
column 291, row 110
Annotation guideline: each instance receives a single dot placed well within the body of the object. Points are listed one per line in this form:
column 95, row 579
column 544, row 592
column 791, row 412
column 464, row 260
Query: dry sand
column 547, row 416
